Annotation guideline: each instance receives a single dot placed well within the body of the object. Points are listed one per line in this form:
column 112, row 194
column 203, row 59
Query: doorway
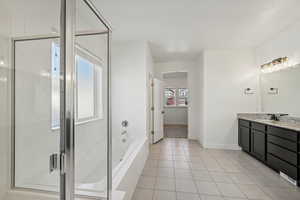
column 175, row 104
column 170, row 101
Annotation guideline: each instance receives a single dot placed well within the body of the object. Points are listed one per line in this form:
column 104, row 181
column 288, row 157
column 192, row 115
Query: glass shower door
column 91, row 102
column 35, row 92
column 60, row 100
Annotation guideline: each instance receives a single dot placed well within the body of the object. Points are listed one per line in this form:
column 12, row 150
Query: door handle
column 163, row 112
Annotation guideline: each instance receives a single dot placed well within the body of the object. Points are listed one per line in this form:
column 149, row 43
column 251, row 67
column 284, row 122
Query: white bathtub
column 125, row 175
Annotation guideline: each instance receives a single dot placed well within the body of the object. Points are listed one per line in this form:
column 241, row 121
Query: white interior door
column 158, row 110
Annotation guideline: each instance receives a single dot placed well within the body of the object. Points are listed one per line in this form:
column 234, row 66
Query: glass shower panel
column 4, row 99
column 35, row 30
column 91, row 103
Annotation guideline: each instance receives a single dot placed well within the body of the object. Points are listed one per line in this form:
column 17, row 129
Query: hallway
column 179, row 169
column 175, row 131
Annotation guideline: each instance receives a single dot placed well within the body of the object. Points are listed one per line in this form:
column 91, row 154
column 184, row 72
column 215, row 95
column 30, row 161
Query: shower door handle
column 53, row 163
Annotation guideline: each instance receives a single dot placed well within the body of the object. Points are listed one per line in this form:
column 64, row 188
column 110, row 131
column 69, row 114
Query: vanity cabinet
column 282, row 151
column 244, row 135
column 258, row 140
column 278, row 148
column 252, row 138
column 258, row 144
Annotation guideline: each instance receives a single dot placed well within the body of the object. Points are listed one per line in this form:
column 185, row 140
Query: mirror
column 280, row 91
column 279, row 61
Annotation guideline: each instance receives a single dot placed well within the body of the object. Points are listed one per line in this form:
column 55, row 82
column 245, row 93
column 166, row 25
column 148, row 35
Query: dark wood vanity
column 278, row 148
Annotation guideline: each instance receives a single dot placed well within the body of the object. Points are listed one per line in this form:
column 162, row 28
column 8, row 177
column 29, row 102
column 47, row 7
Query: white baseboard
column 222, row 146
column 184, row 125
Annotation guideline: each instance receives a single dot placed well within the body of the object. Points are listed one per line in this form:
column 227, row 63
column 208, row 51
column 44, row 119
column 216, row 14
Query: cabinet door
column 244, row 138
column 258, row 144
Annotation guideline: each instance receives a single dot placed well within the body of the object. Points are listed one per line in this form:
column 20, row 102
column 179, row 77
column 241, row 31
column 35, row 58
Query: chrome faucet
column 276, row 117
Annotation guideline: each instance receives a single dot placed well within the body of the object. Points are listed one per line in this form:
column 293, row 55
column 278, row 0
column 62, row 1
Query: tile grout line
column 180, row 153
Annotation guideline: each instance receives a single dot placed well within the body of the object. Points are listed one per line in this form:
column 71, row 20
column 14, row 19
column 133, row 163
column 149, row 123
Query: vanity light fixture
column 276, row 65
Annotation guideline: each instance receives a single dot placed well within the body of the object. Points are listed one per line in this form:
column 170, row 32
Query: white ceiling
column 179, row 29
column 182, row 28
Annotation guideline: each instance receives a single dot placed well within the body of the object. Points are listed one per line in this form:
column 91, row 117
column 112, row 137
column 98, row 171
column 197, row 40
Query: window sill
column 80, row 123
column 176, row 106
column 87, row 121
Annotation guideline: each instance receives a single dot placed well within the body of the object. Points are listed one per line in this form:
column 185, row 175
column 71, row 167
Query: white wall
column 194, row 83
column 131, row 68
column 129, row 92
column 226, row 74
column 176, row 116
column 176, row 82
column 285, row 43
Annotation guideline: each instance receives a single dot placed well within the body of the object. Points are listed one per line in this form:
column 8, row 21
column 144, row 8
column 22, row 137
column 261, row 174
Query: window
column 182, row 99
column 55, row 94
column 88, row 93
column 170, row 96
column 176, row 97
column 85, row 93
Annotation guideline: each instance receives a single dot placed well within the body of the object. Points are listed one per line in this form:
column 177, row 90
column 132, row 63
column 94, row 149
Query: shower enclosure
column 61, row 141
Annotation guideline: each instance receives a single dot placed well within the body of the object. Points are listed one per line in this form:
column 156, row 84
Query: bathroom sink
column 267, row 121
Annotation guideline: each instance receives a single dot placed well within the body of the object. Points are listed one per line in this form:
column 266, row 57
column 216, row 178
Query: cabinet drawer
column 282, row 166
column 259, row 127
column 244, row 123
column 283, row 143
column 283, row 133
column 283, row 154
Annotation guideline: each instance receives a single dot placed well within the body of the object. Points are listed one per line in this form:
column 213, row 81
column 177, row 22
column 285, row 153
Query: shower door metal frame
column 67, row 84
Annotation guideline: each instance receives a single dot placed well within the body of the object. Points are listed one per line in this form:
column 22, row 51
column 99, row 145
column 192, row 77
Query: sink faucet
column 276, row 117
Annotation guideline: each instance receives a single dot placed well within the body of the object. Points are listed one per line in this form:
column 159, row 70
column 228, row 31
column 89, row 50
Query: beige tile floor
column 179, row 169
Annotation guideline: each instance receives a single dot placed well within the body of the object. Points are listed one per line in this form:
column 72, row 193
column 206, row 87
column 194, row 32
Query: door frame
column 67, row 119
column 188, row 107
